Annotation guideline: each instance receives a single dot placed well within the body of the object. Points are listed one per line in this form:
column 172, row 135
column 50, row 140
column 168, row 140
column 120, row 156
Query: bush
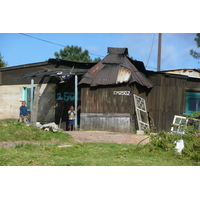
column 165, row 141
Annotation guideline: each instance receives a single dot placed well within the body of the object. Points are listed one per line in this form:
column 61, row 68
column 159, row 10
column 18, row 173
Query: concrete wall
column 10, row 96
column 46, row 110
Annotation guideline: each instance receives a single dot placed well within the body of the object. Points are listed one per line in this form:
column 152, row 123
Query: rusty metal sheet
column 116, row 68
column 123, row 75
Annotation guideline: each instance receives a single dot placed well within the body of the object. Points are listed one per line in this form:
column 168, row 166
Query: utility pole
column 159, row 51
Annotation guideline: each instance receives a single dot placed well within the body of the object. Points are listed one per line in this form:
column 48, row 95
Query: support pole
column 159, row 51
column 31, row 105
column 76, row 99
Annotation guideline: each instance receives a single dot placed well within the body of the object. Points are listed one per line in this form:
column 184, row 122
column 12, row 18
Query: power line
column 42, row 40
column 52, row 42
column 151, row 49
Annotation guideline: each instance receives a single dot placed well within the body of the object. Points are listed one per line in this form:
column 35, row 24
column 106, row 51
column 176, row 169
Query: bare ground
column 108, row 137
column 92, row 136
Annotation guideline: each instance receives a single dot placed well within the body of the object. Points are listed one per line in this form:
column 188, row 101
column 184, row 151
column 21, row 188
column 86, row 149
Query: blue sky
column 19, row 49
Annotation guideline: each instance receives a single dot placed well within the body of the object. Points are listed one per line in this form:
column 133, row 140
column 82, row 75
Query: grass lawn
column 48, row 153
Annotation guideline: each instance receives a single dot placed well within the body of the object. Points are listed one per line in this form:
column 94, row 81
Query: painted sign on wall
column 127, row 93
column 66, row 96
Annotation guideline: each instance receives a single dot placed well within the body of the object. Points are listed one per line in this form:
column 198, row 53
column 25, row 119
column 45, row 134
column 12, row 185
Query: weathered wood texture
column 111, row 101
column 106, row 121
column 167, row 98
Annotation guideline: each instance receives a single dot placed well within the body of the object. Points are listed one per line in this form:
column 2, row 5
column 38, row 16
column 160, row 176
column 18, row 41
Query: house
column 172, row 94
column 53, row 97
column 115, row 94
column 108, row 90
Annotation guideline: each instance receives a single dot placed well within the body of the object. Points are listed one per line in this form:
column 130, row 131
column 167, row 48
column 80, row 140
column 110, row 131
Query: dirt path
column 107, row 137
column 92, row 136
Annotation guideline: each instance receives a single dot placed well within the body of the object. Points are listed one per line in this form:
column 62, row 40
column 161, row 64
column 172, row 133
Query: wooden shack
column 107, row 91
column 172, row 94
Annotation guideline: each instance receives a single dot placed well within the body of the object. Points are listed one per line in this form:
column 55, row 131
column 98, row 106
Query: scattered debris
column 67, row 145
column 48, row 127
column 140, row 132
column 179, row 146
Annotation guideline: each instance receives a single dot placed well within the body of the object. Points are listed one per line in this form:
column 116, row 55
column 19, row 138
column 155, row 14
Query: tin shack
column 119, row 94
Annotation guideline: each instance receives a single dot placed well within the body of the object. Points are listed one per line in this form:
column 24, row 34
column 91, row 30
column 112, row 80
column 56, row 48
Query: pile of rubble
column 49, row 127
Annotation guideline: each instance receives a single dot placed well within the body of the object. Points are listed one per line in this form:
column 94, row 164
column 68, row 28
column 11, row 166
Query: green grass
column 16, row 131
column 86, row 154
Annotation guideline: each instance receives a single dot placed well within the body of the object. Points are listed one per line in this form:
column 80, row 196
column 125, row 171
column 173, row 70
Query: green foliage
column 2, row 62
column 193, row 53
column 196, row 115
column 163, row 141
column 192, row 147
column 75, row 53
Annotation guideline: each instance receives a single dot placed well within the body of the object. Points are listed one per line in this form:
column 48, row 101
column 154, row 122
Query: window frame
column 25, row 96
column 194, row 96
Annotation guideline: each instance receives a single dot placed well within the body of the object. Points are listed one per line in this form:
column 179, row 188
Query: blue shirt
column 23, row 111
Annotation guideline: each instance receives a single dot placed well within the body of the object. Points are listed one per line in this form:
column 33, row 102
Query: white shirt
column 71, row 115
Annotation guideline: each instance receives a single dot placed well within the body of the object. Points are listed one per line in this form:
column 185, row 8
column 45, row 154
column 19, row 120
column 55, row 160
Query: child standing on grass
column 71, row 114
column 23, row 113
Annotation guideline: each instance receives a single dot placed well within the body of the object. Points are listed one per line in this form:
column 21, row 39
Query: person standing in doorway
column 71, row 114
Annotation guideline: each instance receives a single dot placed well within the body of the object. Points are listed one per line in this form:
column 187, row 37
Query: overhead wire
column 52, row 42
column 150, row 49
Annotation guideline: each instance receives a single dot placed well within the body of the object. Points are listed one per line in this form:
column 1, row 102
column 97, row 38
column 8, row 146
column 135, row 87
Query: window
column 141, row 112
column 180, row 122
column 192, row 103
column 26, row 96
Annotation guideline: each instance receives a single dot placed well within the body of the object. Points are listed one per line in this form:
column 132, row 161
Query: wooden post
column 32, row 90
column 159, row 51
column 76, row 99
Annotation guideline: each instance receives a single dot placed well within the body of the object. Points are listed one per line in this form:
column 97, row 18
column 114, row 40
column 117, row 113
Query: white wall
column 10, row 96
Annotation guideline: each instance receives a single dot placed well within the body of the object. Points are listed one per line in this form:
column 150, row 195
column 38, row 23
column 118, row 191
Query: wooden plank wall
column 167, row 98
column 104, row 109
column 105, row 121
column 103, row 100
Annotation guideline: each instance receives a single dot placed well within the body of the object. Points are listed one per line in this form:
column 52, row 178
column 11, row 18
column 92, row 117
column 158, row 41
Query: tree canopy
column 2, row 62
column 195, row 54
column 75, row 53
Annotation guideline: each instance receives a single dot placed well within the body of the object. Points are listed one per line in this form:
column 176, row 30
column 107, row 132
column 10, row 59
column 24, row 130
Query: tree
column 75, row 53
column 2, row 62
column 195, row 54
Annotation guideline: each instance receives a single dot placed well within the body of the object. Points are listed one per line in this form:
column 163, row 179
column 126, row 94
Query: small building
column 53, row 97
column 107, row 91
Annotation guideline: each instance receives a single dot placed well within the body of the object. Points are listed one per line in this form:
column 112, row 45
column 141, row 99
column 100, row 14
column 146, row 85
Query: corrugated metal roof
column 123, row 75
column 115, row 69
